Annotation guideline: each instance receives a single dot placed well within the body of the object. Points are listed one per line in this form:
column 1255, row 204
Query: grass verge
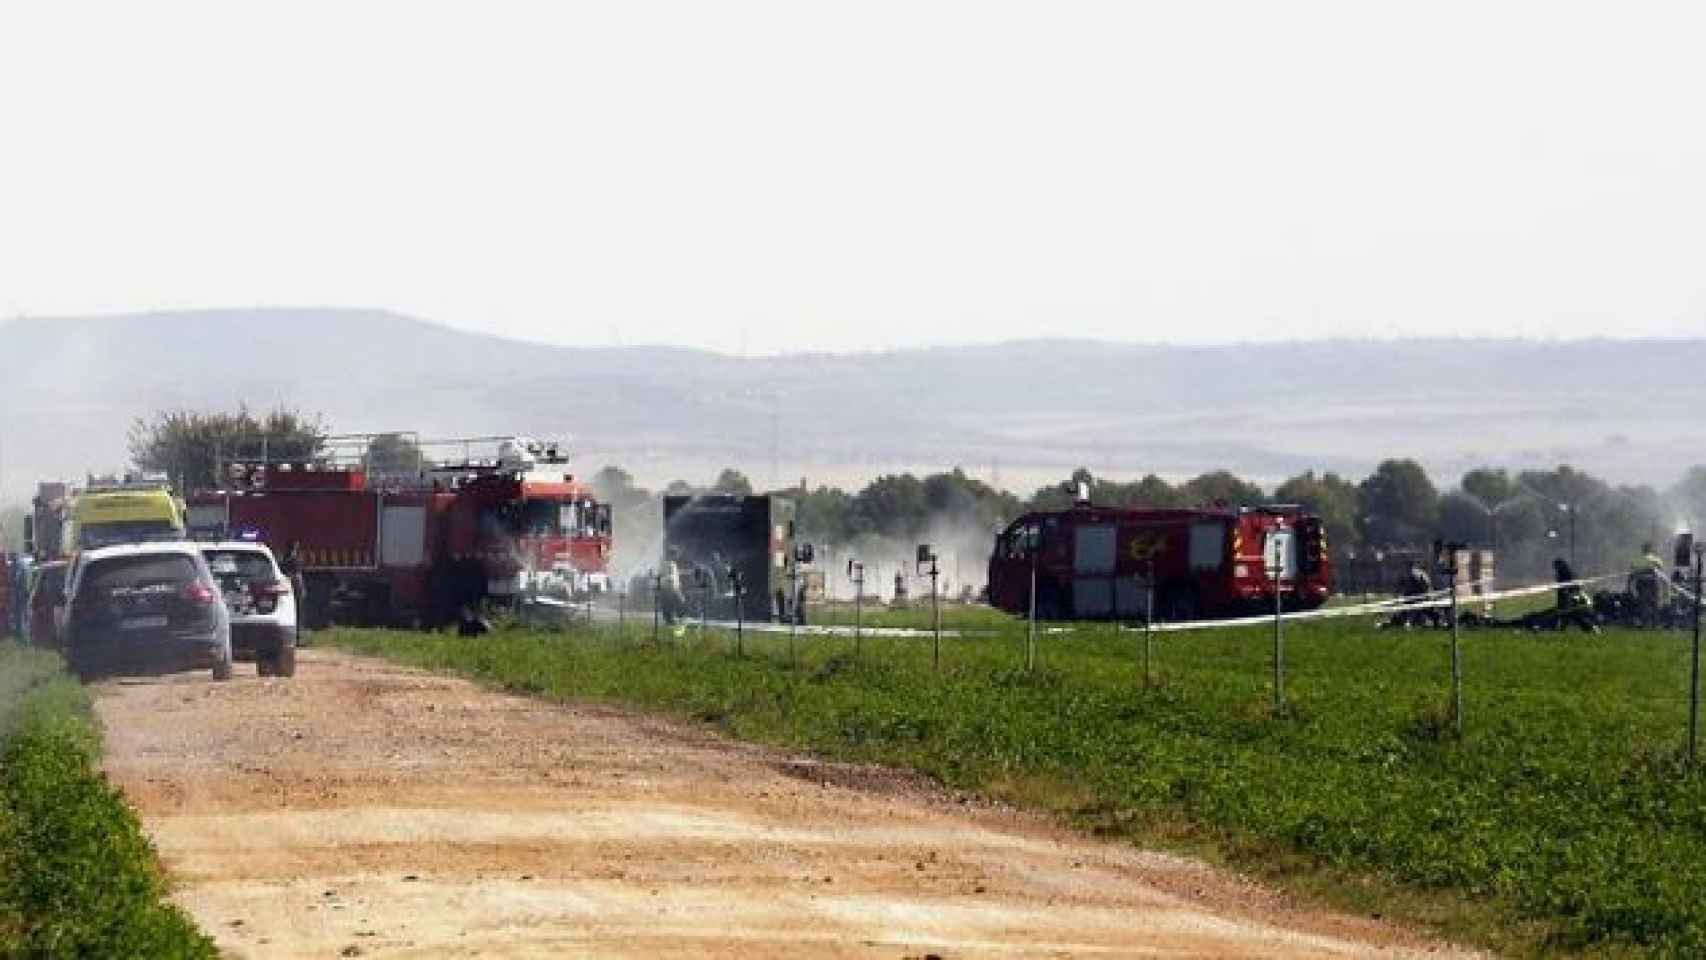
column 77, row 876
column 1562, row 819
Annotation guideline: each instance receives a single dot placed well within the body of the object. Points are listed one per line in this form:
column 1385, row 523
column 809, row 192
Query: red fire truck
column 414, row 546
column 1100, row 563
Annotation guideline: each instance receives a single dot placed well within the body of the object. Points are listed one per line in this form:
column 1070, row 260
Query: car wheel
column 284, row 662
column 263, row 664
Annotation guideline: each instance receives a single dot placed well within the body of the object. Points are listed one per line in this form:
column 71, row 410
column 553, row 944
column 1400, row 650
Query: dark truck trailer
column 708, row 535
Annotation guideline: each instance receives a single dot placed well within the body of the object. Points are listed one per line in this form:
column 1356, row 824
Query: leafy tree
column 1222, row 486
column 1398, row 505
column 393, row 453
column 823, row 514
column 732, row 481
column 188, row 445
column 890, row 506
column 1330, row 497
column 1152, row 492
column 966, row 499
column 1489, row 486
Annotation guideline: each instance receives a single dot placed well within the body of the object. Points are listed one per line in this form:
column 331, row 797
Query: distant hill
column 1020, row 412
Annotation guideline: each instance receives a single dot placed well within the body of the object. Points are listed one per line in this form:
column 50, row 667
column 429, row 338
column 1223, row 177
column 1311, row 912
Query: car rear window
column 121, row 574
column 239, row 565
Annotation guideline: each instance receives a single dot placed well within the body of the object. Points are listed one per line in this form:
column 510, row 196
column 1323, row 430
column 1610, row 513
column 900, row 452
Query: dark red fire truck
column 414, row 547
column 1100, row 563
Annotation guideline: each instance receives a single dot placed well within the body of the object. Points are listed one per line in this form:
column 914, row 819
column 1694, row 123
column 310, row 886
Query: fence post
column 1456, row 660
column 1031, row 630
column 1694, row 670
column 1148, row 628
column 1279, row 642
column 859, row 613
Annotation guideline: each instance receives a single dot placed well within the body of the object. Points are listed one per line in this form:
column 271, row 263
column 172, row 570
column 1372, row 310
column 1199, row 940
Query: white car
column 261, row 603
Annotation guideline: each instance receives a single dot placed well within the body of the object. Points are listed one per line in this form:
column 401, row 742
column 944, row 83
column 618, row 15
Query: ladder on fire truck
column 398, row 459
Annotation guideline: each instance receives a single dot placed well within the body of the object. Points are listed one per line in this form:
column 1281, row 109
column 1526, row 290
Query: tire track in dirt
column 367, row 809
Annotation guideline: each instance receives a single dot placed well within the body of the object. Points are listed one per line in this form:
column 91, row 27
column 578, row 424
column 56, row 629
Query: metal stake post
column 1148, row 627
column 926, row 555
column 1279, row 642
column 856, row 573
column 1694, row 671
column 1456, row 660
column 740, row 612
column 1031, row 633
column 936, row 613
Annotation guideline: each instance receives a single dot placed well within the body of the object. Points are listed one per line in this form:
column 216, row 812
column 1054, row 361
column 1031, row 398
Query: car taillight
column 199, row 593
column 266, row 594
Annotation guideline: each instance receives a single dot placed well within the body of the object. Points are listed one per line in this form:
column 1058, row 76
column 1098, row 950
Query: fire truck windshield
column 546, row 518
column 552, row 518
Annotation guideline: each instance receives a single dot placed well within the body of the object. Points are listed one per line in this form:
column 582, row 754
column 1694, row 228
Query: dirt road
column 365, row 809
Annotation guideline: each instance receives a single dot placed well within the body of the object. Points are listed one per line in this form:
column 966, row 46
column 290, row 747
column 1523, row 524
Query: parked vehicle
column 261, row 603
column 46, row 604
column 414, row 547
column 135, row 508
column 145, row 608
column 709, row 535
column 1104, row 563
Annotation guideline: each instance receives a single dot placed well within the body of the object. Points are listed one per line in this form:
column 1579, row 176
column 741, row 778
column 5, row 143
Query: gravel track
column 366, row 809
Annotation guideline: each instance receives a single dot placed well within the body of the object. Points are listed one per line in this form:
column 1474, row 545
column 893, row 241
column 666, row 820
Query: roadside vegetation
column 1565, row 818
column 77, row 876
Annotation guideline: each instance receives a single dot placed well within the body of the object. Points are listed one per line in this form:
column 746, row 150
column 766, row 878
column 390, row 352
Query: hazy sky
column 759, row 177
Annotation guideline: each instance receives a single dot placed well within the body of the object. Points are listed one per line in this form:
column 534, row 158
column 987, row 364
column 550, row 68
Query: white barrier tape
column 815, row 630
column 1428, row 601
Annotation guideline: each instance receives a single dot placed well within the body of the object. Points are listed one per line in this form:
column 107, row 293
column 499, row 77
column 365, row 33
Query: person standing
column 670, row 600
column 1574, row 607
column 290, row 564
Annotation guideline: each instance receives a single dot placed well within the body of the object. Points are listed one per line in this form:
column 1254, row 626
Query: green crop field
column 1564, row 818
column 77, row 876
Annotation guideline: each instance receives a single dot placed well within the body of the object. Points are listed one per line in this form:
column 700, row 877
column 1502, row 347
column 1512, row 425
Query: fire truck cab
column 1106, row 563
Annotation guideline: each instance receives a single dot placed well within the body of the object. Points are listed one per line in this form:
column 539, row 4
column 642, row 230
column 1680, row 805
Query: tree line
column 1528, row 516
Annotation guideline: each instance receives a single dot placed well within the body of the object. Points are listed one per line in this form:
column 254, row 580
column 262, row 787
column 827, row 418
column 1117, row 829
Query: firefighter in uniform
column 1574, row 607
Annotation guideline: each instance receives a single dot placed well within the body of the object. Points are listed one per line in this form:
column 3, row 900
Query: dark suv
column 146, row 608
